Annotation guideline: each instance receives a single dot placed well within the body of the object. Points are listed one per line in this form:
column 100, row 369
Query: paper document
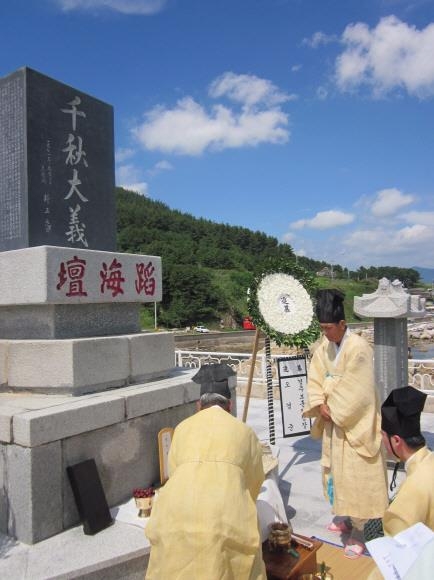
column 395, row 555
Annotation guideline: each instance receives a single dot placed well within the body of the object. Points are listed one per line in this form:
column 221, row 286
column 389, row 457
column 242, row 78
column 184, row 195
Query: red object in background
column 248, row 323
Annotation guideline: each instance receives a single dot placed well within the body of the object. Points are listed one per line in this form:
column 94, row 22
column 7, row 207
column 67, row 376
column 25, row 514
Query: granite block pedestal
column 80, row 381
column 40, row 438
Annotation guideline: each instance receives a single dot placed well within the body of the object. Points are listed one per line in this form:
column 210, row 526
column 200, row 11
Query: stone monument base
column 120, row 551
column 41, row 435
column 57, row 321
column 84, row 365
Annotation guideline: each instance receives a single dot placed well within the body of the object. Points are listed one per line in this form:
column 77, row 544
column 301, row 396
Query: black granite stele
column 89, row 496
column 56, row 165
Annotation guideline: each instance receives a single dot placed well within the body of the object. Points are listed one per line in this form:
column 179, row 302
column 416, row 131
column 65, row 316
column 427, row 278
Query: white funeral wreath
column 280, row 304
column 284, row 303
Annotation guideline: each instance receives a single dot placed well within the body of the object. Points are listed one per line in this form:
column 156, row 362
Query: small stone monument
column 390, row 306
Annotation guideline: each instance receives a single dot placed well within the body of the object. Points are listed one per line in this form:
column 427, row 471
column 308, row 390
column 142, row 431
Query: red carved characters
column 73, row 273
column 112, row 278
column 145, row 280
column 76, row 278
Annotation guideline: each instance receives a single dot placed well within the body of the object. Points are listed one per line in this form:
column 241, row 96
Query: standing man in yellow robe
column 203, row 525
column 343, row 400
column 403, row 439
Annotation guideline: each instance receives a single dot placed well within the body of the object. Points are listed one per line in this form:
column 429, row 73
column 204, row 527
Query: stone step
column 118, row 552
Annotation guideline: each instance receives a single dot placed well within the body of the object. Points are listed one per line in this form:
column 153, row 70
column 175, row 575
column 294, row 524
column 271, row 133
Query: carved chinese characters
column 57, row 160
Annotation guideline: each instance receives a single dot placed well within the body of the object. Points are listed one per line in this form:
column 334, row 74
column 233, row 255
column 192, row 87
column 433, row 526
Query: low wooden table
column 343, row 568
column 283, row 566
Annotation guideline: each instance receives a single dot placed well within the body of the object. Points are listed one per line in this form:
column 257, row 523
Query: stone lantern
column 390, row 306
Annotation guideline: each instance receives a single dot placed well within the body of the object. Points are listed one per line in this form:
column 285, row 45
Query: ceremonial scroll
column 292, row 385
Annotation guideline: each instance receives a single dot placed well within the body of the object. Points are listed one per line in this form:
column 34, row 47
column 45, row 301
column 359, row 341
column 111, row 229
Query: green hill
column 207, row 267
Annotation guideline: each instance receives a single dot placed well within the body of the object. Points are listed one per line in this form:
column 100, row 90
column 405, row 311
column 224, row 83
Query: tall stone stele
column 57, row 191
column 56, row 165
column 78, row 378
column 390, row 306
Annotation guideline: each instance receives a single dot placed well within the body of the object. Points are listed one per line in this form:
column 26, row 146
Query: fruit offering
column 140, row 492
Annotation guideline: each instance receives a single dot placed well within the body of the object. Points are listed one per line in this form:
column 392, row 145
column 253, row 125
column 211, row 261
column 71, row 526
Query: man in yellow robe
column 402, row 438
column 343, row 400
column 204, row 524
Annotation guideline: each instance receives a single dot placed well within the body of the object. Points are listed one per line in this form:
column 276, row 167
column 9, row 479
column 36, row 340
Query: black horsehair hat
column 213, row 378
column 330, row 305
column 400, row 412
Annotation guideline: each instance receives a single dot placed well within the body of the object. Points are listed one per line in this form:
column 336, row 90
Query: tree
column 188, row 296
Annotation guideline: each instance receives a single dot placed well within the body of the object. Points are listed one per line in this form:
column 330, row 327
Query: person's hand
column 325, row 412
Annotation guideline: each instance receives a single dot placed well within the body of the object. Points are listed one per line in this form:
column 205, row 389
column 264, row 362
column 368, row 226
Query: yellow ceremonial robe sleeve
column 414, row 501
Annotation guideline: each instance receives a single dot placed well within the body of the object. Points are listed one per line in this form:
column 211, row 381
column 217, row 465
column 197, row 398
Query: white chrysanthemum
column 284, row 303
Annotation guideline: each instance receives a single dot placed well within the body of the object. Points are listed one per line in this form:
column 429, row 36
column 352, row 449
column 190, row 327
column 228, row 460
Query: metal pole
column 155, row 315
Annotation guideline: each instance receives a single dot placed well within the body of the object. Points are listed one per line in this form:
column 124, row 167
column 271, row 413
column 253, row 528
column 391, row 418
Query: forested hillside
column 151, row 226
column 207, row 267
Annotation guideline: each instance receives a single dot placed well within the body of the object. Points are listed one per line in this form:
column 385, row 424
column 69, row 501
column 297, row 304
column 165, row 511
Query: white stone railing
column 421, row 374
column 240, row 362
column 420, row 371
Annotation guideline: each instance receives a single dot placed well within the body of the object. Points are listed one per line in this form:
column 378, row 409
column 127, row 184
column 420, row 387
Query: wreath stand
column 280, row 305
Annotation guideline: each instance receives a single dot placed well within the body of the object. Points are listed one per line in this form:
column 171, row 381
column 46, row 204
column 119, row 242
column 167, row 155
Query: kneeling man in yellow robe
column 403, row 439
column 204, row 523
column 343, row 400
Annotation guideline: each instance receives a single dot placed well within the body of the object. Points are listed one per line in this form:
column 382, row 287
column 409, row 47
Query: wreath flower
column 280, row 304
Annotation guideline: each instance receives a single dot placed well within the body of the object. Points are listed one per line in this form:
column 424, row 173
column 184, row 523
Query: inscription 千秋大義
column 56, row 165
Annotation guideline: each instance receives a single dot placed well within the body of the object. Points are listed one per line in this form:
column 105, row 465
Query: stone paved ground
column 299, row 470
column 74, row 555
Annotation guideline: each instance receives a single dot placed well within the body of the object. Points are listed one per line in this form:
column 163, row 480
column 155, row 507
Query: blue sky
column 309, row 120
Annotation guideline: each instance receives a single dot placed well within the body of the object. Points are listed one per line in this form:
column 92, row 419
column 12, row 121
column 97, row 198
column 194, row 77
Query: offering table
column 280, row 565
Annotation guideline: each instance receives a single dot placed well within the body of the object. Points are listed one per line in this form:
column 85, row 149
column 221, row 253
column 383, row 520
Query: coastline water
column 423, row 351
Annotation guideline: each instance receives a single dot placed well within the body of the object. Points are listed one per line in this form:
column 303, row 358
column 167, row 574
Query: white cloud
column 324, row 220
column 288, row 237
column 410, row 241
column 163, row 165
column 129, row 177
column 318, row 39
column 425, row 218
column 389, row 201
column 249, row 90
column 416, row 233
column 391, row 55
column 127, row 172
column 189, row 129
column 122, row 6
column 141, row 187
column 322, row 93
column 160, row 166
column 123, row 154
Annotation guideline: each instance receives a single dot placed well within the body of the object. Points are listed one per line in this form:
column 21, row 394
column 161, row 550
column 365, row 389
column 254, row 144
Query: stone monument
column 390, row 306
column 78, row 378
column 56, row 165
